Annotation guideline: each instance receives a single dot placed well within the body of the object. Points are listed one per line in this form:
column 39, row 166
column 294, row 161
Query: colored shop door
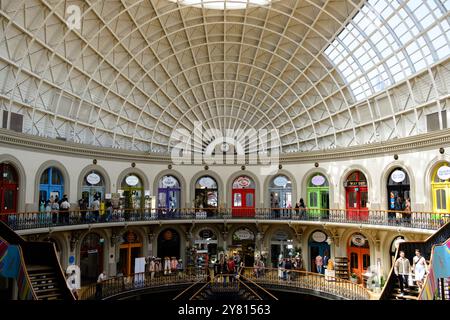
column 243, row 202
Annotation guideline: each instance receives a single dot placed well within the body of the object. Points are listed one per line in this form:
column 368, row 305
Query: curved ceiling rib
column 136, row 71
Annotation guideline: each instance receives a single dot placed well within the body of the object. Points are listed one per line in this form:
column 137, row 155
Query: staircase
column 391, row 290
column 44, row 282
column 230, row 292
column 41, row 267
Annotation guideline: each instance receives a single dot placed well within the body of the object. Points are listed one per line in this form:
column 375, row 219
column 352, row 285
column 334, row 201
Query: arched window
column 280, row 192
column 169, row 192
column 206, row 193
column 51, row 184
column 93, row 187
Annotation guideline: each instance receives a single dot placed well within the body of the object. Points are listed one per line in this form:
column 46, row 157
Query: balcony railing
column 34, row 220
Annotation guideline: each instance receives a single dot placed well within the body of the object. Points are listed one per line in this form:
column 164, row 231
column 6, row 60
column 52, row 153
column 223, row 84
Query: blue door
column 51, row 184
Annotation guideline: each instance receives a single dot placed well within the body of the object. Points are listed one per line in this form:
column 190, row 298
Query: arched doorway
column 206, row 247
column 169, row 244
column 394, row 246
column 440, row 187
column 91, row 257
column 206, row 195
column 243, row 243
column 358, row 254
column 9, row 189
column 281, row 246
column 243, row 196
column 318, row 198
column 318, row 247
column 280, row 191
column 169, row 193
column 130, row 249
column 51, row 185
column 356, row 196
column 93, row 187
column 133, row 192
column 398, row 187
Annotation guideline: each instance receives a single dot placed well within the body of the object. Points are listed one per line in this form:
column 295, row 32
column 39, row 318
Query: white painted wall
column 419, row 165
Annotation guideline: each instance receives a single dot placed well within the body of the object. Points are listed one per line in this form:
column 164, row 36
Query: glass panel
column 325, row 200
column 364, row 197
column 366, row 261
column 206, row 183
column 353, row 260
column 313, row 199
column 162, row 200
column 443, row 199
column 212, row 198
column 237, row 200
column 44, row 176
column 8, row 200
column 56, row 176
column 243, row 182
column 352, row 199
column 249, row 200
column 169, row 182
column 173, row 199
column 43, row 195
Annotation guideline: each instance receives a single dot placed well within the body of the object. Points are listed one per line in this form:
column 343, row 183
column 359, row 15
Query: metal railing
column 34, row 220
column 122, row 284
column 266, row 277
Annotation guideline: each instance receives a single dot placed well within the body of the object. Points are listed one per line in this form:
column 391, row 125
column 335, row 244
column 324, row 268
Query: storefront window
column 206, row 193
column 93, row 187
column 280, row 191
column 51, row 185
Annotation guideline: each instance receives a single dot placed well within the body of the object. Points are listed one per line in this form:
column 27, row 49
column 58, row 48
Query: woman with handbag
column 420, row 268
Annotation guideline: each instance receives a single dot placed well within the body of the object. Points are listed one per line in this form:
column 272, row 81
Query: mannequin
column 167, row 266
column 152, row 267
column 158, row 265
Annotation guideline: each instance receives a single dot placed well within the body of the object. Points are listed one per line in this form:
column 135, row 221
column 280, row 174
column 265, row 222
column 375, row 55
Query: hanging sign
column 444, row 173
column 319, row 236
column 132, row 180
column 280, row 181
column 318, row 180
column 93, row 178
column 169, row 182
column 398, row 176
column 358, row 240
column 281, row 235
column 244, row 234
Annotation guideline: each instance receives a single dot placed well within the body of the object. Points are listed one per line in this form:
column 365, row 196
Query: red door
column 243, row 202
column 8, row 200
column 357, row 203
column 359, row 260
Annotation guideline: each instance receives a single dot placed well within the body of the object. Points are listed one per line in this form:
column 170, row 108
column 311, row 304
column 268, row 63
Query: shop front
column 398, row 190
column 9, row 189
column 318, row 196
column 206, row 195
column 358, row 253
column 205, row 245
column 132, row 193
column 93, row 188
column 319, row 251
column 280, row 193
column 243, row 197
column 168, row 244
column 91, row 257
column 281, row 246
column 440, row 188
column 51, row 185
column 243, row 243
column 356, row 196
column 130, row 249
column 169, row 194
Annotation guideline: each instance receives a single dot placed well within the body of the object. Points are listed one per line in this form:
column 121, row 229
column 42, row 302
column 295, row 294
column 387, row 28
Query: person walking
column 402, row 268
column 99, row 287
column 420, row 268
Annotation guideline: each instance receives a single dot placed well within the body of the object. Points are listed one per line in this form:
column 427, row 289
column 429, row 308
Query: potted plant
column 354, row 277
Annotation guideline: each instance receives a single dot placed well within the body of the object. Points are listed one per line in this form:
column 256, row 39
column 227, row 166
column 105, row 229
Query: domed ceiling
column 129, row 73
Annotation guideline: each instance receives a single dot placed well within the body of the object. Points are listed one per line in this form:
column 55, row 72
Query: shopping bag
column 410, row 280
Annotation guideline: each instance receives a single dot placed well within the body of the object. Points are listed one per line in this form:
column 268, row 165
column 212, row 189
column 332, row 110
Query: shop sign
column 280, row 181
column 92, row 251
column 319, row 236
column 318, row 180
column 205, row 234
column 205, row 241
column 244, row 234
column 281, row 235
column 398, row 176
column 93, row 178
column 206, row 182
column 444, row 173
column 358, row 240
column 356, row 183
column 169, row 182
column 132, row 180
column 242, row 182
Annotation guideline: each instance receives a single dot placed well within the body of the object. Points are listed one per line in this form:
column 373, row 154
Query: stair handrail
column 251, row 290
column 257, row 285
column 188, row 288
column 433, row 239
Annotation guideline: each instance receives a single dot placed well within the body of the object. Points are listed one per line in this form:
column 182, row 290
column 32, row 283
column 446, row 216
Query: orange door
column 359, row 259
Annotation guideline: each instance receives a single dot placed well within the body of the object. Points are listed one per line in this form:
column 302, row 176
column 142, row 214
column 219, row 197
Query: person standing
column 319, row 265
column 302, row 209
column 152, row 268
column 402, row 268
column 64, row 209
column 96, row 209
column 420, row 268
column 231, row 268
column 288, row 267
column 99, row 286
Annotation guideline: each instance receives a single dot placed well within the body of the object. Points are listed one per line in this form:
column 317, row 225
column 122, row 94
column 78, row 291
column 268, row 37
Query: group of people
column 286, row 265
column 228, row 265
column 401, row 209
column 55, row 209
column 299, row 211
column 403, row 270
column 97, row 211
column 170, row 266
